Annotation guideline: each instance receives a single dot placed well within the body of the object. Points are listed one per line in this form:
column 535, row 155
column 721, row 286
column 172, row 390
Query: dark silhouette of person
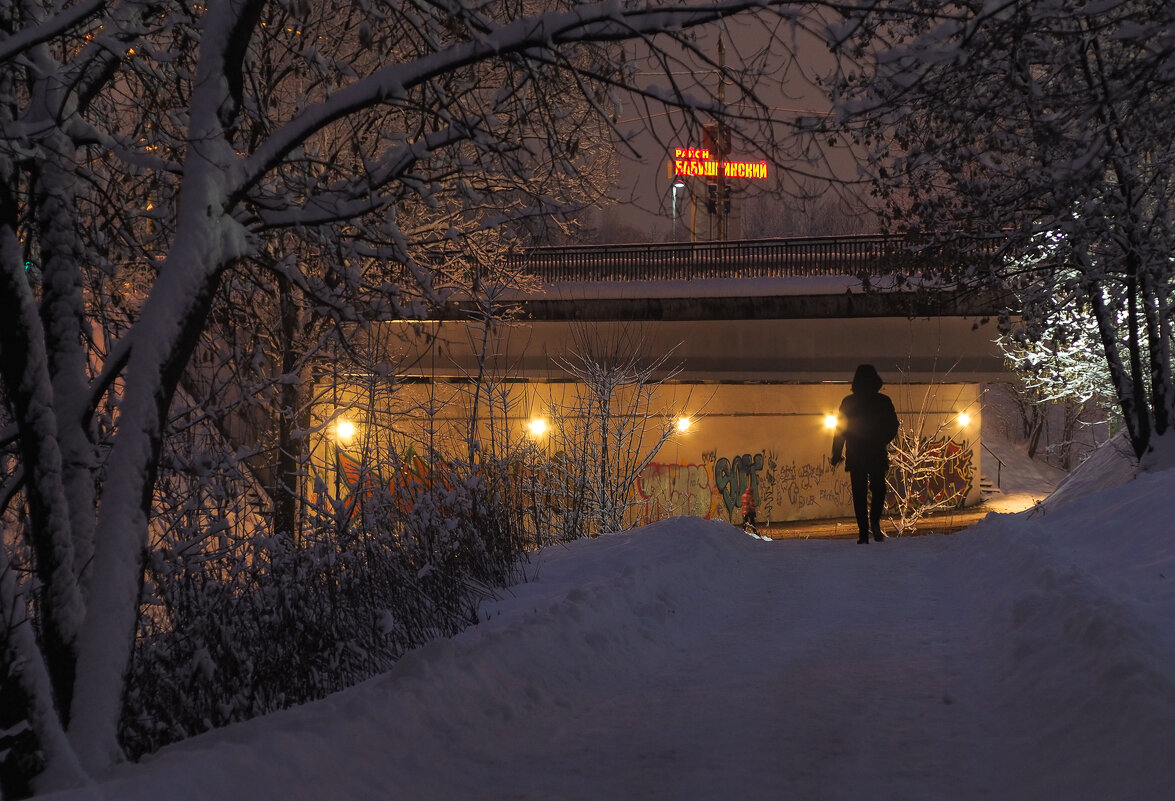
column 866, row 424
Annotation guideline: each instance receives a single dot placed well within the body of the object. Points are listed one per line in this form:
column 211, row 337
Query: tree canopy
column 1040, row 126
column 173, row 175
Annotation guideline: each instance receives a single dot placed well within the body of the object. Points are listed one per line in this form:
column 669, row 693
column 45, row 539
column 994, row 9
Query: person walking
column 866, row 424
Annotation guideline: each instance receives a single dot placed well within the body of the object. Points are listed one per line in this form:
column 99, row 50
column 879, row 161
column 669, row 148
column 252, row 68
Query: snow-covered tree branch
column 159, row 161
column 1024, row 123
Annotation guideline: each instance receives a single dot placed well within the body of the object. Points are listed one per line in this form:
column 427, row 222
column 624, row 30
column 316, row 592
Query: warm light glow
column 964, row 418
column 683, row 423
column 537, row 426
column 830, row 421
column 344, row 430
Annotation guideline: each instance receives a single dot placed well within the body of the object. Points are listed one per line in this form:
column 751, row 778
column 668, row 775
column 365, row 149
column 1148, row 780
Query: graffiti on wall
column 813, row 485
column 361, row 484
column 670, row 490
column 953, row 482
column 732, row 476
column 783, row 489
column 710, row 488
column 714, row 488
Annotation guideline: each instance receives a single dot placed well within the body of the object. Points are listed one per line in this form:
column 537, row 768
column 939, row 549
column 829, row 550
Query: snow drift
column 1030, row 656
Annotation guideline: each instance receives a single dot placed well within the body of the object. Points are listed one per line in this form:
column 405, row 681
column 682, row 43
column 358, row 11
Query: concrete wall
column 770, row 435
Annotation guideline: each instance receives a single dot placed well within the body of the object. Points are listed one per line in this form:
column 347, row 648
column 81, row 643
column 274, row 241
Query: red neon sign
column 696, row 161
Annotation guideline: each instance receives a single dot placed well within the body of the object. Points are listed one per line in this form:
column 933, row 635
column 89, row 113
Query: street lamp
column 677, row 184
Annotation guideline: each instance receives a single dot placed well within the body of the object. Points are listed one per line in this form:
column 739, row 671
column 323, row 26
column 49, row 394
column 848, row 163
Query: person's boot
column 863, row 538
column 877, row 535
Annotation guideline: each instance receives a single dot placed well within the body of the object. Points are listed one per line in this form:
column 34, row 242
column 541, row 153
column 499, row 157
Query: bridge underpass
column 755, row 355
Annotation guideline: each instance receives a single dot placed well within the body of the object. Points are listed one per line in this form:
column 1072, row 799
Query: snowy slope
column 1029, row 657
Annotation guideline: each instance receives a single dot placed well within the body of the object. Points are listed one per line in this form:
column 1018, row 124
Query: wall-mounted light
column 537, row 427
column 683, row 424
column 345, row 431
column 963, row 418
column 831, row 421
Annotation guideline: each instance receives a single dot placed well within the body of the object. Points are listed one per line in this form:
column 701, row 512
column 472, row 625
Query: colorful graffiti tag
column 670, row 490
column 953, row 482
column 361, row 484
column 733, row 475
column 783, row 490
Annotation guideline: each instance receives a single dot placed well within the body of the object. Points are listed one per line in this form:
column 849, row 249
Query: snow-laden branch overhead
column 198, row 204
column 603, row 22
column 63, row 21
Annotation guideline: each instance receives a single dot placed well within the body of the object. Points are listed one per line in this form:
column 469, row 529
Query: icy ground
column 1030, row 657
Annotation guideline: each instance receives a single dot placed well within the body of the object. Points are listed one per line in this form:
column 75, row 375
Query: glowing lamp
column 344, row 431
column 537, row 426
column 830, row 421
column 683, row 423
column 964, row 418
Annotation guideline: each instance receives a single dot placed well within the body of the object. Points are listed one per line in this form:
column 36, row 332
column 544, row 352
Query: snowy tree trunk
column 292, row 421
column 1131, row 395
column 25, row 371
column 168, row 330
column 1158, row 330
column 62, row 309
column 24, row 659
column 165, row 335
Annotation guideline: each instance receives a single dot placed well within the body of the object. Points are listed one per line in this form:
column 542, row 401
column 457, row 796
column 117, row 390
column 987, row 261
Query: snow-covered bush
column 930, row 468
column 605, row 430
column 227, row 636
column 1053, row 347
column 927, row 473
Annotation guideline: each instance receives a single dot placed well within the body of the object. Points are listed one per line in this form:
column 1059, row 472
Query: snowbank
column 1078, row 631
column 1032, row 656
column 1110, row 465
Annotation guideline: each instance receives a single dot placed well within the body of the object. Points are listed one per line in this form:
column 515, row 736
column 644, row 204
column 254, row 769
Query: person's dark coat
column 867, row 424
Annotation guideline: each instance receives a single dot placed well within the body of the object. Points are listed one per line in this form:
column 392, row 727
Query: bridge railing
column 872, row 254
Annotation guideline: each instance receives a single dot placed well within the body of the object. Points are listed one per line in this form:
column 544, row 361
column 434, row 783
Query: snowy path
column 804, row 670
column 688, row 662
column 815, row 677
column 854, row 686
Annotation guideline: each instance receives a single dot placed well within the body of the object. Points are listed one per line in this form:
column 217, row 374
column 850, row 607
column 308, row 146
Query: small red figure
column 749, row 509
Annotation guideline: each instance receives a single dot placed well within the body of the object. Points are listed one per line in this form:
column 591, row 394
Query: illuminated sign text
column 695, row 161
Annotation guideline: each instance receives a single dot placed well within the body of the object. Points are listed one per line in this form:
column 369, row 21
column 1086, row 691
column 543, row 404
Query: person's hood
column 866, row 379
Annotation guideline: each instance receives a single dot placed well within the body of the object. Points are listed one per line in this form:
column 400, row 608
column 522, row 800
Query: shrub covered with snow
column 232, row 635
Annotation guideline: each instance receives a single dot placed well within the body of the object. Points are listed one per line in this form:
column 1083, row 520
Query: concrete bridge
column 755, row 341
column 800, row 309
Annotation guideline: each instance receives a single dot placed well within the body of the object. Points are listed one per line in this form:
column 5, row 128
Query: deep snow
column 1030, row 657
